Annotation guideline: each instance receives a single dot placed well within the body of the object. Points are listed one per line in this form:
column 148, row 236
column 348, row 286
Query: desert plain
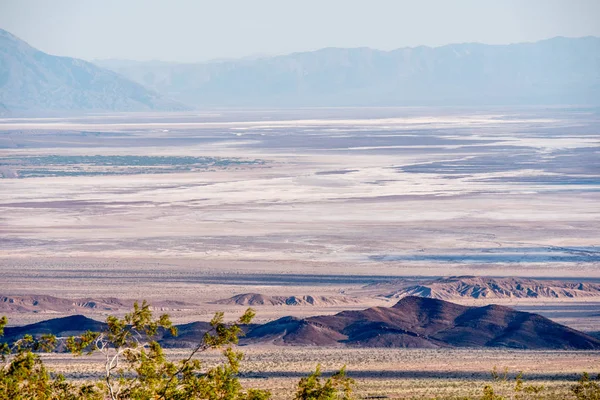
column 187, row 209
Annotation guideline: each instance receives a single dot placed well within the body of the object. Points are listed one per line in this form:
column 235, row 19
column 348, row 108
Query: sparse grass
column 417, row 374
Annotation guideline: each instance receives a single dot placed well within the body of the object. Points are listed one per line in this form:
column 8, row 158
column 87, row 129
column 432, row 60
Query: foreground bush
column 587, row 388
column 135, row 366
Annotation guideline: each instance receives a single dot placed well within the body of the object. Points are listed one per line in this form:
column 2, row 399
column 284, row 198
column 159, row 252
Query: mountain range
column 31, row 80
column 414, row 322
column 554, row 71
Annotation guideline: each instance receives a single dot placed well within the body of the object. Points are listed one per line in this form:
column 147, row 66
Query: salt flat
column 362, row 193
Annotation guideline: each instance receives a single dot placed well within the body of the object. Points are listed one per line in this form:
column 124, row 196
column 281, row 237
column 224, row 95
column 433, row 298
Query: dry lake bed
column 198, row 207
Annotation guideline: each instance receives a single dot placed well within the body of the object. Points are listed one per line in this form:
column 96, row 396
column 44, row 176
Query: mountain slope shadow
column 425, row 323
column 413, row 322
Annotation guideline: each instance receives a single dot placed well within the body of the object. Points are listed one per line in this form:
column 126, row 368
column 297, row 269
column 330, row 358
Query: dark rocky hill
column 414, row 322
column 60, row 327
column 428, row 323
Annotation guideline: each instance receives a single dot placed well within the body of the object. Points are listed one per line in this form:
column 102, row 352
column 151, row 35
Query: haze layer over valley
column 554, row 71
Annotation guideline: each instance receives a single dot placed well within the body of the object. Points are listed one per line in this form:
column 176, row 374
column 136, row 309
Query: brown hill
column 413, row 322
column 459, row 287
column 42, row 303
column 425, row 323
column 256, row 299
column 188, row 335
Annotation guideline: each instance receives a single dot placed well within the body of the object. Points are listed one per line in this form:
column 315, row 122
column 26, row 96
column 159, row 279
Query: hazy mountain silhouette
column 31, row 80
column 554, row 71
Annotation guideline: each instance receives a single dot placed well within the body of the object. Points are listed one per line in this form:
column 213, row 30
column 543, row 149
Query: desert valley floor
column 340, row 209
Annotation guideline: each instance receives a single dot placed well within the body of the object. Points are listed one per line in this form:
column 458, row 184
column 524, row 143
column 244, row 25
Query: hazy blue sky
column 181, row 30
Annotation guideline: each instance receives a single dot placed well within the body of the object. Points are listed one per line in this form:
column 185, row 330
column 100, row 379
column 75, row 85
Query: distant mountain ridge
column 257, row 299
column 48, row 304
column 414, row 322
column 482, row 287
column 553, row 71
column 31, row 80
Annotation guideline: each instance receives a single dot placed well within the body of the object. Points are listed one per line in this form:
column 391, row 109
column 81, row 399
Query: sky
column 197, row 30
